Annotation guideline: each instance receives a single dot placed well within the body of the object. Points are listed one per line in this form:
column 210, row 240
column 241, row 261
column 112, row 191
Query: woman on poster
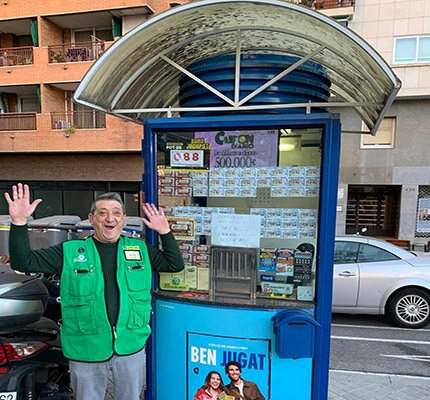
column 212, row 387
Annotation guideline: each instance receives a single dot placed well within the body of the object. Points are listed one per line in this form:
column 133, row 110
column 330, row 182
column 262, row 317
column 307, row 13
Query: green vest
column 86, row 333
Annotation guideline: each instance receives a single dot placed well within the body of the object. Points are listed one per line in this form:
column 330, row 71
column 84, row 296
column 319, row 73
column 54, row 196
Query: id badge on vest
column 132, row 253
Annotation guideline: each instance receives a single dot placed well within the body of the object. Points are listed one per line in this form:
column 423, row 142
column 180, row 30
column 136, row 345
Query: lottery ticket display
column 241, row 190
column 240, row 182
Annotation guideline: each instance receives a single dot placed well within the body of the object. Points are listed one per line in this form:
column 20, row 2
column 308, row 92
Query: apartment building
column 385, row 180
column 65, row 152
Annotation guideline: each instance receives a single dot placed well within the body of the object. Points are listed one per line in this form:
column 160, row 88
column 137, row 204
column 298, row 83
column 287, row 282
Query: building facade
column 65, row 152
column 384, row 180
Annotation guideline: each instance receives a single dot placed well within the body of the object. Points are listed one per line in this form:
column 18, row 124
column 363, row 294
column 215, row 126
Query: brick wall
column 103, row 167
column 50, row 33
column 119, row 136
column 16, row 8
column 53, row 99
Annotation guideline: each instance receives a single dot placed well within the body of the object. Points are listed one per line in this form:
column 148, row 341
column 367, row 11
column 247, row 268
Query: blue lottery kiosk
column 257, row 242
column 238, row 101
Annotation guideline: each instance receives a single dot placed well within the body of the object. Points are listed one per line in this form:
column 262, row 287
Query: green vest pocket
column 82, row 280
column 78, row 319
column 137, row 277
column 139, row 313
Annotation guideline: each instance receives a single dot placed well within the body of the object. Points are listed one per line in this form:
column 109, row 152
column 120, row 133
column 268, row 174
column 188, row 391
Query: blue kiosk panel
column 194, row 339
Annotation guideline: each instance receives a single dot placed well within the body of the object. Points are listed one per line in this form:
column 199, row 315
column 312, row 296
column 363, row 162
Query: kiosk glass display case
column 243, row 205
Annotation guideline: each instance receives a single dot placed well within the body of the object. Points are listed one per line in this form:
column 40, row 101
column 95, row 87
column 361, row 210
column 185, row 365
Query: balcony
column 10, row 56
column 75, row 52
column 78, row 120
column 326, row 4
column 18, row 121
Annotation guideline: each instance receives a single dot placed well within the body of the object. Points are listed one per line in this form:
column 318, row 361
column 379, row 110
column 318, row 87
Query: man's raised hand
column 20, row 208
column 156, row 219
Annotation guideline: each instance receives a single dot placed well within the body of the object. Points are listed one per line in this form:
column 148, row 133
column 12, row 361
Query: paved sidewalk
column 351, row 385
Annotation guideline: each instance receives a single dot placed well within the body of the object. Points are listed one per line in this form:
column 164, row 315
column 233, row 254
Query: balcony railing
column 78, row 120
column 16, row 56
column 325, row 4
column 74, row 52
column 18, row 121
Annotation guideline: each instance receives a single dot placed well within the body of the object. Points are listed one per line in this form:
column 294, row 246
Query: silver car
column 372, row 276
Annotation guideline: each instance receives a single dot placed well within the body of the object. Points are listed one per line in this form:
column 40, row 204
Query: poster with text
column 423, row 219
column 206, row 353
column 242, row 149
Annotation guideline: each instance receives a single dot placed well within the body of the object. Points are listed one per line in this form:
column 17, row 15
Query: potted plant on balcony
column 58, row 57
column 69, row 130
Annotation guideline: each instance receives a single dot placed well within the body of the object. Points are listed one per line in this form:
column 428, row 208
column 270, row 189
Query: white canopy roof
column 137, row 77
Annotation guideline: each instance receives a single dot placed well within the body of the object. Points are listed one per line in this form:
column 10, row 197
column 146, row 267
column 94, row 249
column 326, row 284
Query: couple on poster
column 237, row 389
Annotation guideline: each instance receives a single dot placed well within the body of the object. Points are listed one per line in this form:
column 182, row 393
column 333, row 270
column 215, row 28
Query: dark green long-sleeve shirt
column 50, row 261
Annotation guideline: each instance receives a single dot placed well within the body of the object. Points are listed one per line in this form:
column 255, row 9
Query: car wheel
column 410, row 308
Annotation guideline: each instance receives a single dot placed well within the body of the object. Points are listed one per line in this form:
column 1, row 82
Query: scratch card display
column 285, row 262
column 302, row 266
column 267, row 260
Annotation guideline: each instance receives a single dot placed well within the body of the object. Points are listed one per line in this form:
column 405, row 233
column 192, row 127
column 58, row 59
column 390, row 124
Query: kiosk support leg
column 150, row 189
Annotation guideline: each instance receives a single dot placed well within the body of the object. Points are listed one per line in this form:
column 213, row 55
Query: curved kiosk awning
column 137, row 78
column 246, row 169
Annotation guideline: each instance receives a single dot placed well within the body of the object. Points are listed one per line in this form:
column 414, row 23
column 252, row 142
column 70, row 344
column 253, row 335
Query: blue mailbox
column 295, row 332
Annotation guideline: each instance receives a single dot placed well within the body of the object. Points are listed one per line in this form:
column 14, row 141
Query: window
column 51, row 204
column 77, row 202
column 413, row 49
column 24, row 41
column 28, row 103
column 92, row 35
column 384, row 138
column 342, row 20
column 369, row 253
column 345, row 252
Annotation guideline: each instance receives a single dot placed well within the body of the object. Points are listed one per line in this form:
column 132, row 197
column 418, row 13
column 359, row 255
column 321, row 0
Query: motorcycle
column 32, row 365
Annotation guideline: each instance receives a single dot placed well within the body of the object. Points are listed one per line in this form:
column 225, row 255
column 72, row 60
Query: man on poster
column 238, row 387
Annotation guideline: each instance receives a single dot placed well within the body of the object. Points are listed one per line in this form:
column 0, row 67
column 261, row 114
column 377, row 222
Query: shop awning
column 137, row 77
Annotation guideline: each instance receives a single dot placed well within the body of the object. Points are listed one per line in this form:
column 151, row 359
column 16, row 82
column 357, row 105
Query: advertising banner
column 207, row 353
column 242, row 149
column 423, row 220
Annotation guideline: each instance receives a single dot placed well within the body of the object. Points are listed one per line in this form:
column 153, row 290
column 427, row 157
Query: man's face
column 233, row 373
column 108, row 220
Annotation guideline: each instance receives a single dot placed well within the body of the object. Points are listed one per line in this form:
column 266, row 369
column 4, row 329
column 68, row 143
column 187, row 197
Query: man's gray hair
column 107, row 196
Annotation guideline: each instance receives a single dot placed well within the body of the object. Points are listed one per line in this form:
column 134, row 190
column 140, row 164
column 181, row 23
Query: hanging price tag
column 186, row 158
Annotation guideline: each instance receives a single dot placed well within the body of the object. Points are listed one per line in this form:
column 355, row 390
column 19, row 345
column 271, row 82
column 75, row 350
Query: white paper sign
column 235, row 230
